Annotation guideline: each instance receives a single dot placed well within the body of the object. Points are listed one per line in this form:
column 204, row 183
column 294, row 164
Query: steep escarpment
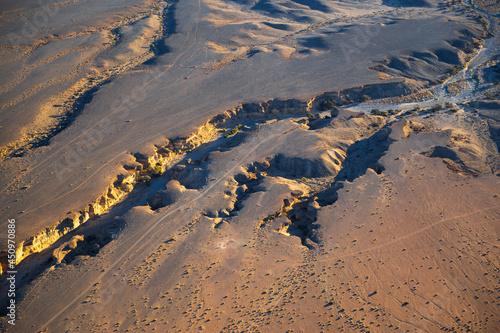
column 114, row 193
column 287, row 55
column 343, row 160
column 278, row 185
column 333, row 150
column 149, row 166
column 356, row 210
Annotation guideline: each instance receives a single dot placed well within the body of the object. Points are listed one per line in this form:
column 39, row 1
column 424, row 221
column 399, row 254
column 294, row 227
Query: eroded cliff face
column 321, row 191
column 464, row 153
column 133, row 44
column 152, row 165
column 148, row 166
column 114, row 193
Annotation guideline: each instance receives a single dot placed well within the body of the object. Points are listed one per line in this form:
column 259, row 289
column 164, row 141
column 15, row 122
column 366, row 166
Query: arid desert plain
column 250, row 166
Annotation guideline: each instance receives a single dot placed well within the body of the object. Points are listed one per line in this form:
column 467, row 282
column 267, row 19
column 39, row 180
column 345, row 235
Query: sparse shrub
column 475, row 76
column 483, row 22
column 377, row 112
column 478, row 43
column 310, row 116
column 145, row 179
column 155, row 171
column 437, row 107
column 233, row 131
column 327, row 104
column 365, row 98
column 448, row 104
column 411, row 113
column 456, row 70
column 304, row 179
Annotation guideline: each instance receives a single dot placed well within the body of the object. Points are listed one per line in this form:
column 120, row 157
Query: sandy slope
column 326, row 222
column 198, row 78
column 412, row 246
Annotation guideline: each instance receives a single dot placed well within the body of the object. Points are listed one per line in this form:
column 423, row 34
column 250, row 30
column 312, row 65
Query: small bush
column 377, row 112
column 304, row 179
column 145, row 179
column 159, row 169
column 437, row 107
column 155, row 171
column 233, row 131
column 411, row 113
column 327, row 105
column 483, row 22
column 478, row 43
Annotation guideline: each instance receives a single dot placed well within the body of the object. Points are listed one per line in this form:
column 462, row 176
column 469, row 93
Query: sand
column 214, row 165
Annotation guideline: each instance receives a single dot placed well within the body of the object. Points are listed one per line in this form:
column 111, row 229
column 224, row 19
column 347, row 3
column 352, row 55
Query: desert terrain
column 250, row 165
